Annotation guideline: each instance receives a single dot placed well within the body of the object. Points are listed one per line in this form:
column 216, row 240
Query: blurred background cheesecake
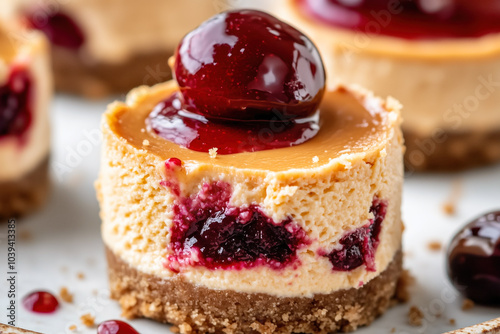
column 441, row 59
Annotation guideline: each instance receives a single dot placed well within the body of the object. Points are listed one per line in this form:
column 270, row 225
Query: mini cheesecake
column 25, row 95
column 441, row 60
column 223, row 219
column 103, row 47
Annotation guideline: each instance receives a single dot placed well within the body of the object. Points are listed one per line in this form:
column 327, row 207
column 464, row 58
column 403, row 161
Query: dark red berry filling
column 115, row 327
column 474, row 260
column 41, row 302
column 200, row 134
column 60, row 28
column 16, row 105
column 409, row 19
column 358, row 247
column 209, row 232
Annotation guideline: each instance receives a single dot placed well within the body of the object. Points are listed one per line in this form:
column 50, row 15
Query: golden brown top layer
column 353, row 123
column 7, row 44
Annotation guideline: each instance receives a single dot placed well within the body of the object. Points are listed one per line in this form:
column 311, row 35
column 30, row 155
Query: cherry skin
column 248, row 65
column 41, row 302
column 474, row 260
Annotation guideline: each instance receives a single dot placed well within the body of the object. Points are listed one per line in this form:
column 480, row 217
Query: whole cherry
column 248, row 65
column 474, row 260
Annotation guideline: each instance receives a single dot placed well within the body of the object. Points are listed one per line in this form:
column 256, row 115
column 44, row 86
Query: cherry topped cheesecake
column 244, row 197
column 104, row 47
column 441, row 59
column 25, row 95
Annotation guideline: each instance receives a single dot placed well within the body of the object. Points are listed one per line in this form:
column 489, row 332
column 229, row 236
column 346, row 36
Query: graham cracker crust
column 195, row 309
column 451, row 151
column 25, row 195
column 76, row 74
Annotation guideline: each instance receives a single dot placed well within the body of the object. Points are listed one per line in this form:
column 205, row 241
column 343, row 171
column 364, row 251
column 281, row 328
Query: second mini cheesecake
column 275, row 209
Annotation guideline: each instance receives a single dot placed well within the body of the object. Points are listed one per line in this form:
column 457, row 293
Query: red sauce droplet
column 41, row 302
column 60, row 28
column 115, row 327
column 409, row 19
column 16, row 103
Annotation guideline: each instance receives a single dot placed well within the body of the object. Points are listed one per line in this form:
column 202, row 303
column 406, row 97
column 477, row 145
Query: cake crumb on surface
column 450, row 206
column 145, row 142
column 66, row 295
column 185, row 328
column 453, row 322
column 25, row 235
column 449, row 209
column 415, row 316
column 393, row 330
column 213, row 152
column 405, row 281
column 467, row 305
column 88, row 320
column 80, row 275
column 72, row 328
column 315, row 159
column 435, row 246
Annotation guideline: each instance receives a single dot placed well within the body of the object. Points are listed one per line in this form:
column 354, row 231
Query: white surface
column 65, row 238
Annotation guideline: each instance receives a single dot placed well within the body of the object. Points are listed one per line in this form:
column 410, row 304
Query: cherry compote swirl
column 409, row 19
column 247, row 82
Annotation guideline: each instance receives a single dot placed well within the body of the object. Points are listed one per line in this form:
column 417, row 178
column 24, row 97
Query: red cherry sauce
column 247, row 82
column 208, row 231
column 198, row 133
column 16, row 103
column 409, row 19
column 115, row 327
column 358, row 247
column 474, row 260
column 60, row 28
column 41, row 302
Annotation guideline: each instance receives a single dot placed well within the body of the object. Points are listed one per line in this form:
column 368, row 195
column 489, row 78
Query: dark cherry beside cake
column 474, row 260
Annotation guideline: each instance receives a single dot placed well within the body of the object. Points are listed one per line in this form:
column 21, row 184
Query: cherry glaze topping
column 409, row 19
column 248, row 65
column 115, row 327
column 209, row 232
column 16, row 103
column 41, row 302
column 474, row 260
column 60, row 28
column 200, row 134
column 359, row 246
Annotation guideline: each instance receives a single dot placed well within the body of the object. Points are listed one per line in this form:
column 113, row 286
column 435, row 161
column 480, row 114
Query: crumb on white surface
column 315, row 159
column 213, row 152
column 88, row 320
column 66, row 295
column 415, row 316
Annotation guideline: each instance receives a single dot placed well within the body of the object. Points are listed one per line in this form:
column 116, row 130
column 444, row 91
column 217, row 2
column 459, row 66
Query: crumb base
column 76, row 74
column 196, row 309
column 451, row 151
column 25, row 195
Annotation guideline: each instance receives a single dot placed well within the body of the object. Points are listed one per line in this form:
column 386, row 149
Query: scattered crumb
column 213, row 152
column 393, row 330
column 450, row 206
column 415, row 316
column 25, row 235
column 145, row 142
column 449, row 209
column 174, row 329
column 435, row 246
column 66, row 295
column 453, row 322
column 72, row 328
column 80, row 275
column 185, row 328
column 467, row 305
column 88, row 320
column 315, row 159
column 405, row 281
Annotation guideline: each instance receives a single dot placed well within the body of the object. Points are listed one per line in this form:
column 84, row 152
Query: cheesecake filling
column 25, row 91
